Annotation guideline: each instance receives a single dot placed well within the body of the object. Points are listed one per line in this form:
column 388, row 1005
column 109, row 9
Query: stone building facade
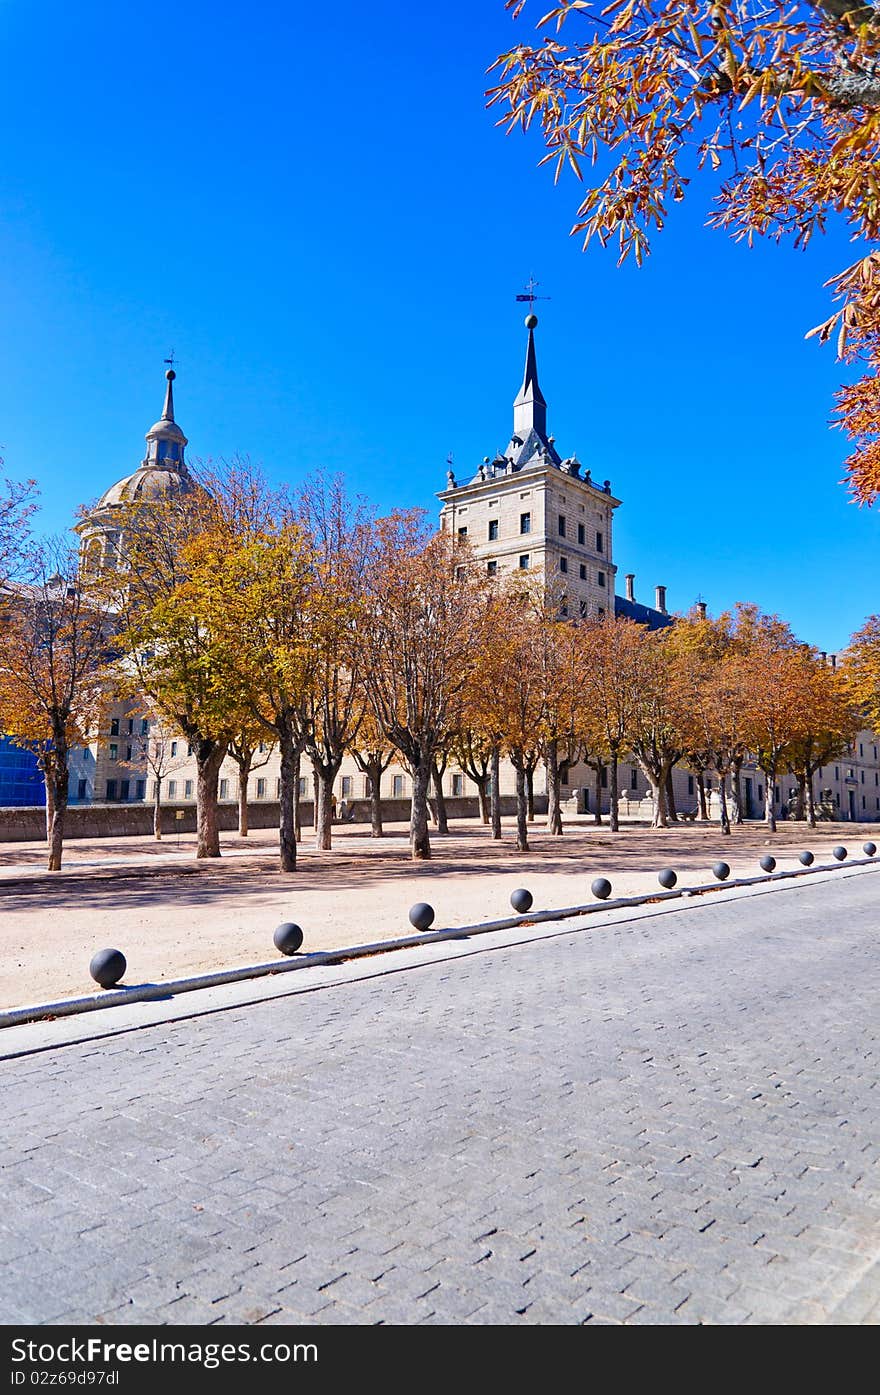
column 529, row 508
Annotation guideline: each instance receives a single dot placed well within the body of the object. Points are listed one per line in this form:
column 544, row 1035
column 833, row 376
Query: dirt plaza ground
column 172, row 916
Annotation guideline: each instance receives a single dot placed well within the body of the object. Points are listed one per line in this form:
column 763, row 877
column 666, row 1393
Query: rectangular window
column 174, row 748
column 604, row 777
column 634, row 779
column 81, row 789
column 837, row 772
column 582, row 535
column 493, row 529
column 600, row 578
column 172, row 789
column 302, row 786
column 525, row 523
column 491, row 568
column 189, row 748
column 583, row 609
column 346, row 787
column 397, row 786
column 776, row 793
column 224, row 789
column 863, row 776
column 861, row 750
column 111, row 789
column 563, row 564
column 601, row 611
column 114, row 751
column 130, row 725
column 114, row 726
column 124, row 788
column 690, row 784
column 128, row 753
column 145, row 726
column 462, row 532
column 188, row 789
column 561, row 525
column 458, row 786
column 278, row 789
column 863, row 801
column 524, row 562
column 760, row 791
column 583, row 572
column 600, row 543
column 261, row 789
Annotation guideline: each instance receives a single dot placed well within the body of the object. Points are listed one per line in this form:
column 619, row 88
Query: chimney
column 834, row 661
column 660, row 598
column 823, row 656
column 630, row 580
column 701, row 609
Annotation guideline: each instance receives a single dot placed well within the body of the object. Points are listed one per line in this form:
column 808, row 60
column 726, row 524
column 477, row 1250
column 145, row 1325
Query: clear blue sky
column 314, row 208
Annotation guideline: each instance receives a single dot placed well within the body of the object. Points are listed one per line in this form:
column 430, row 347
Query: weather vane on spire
column 170, row 360
column 529, row 295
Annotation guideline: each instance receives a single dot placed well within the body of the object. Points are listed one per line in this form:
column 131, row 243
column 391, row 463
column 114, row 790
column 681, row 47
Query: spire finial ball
column 531, row 321
column 171, row 375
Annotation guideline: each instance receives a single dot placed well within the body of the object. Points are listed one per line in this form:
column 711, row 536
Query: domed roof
column 166, row 430
column 149, row 482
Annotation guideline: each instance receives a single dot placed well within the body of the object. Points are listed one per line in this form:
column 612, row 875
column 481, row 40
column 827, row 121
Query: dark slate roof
column 644, row 614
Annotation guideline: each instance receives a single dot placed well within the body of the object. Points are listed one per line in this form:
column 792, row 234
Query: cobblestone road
column 672, row 1121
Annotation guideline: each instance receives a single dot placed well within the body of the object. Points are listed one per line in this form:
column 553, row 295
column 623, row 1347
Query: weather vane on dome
column 529, row 295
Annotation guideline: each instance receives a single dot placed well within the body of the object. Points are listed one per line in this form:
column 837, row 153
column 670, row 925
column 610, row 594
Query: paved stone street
column 669, row 1121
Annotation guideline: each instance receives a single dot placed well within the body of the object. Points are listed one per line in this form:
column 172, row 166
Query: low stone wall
column 23, row 825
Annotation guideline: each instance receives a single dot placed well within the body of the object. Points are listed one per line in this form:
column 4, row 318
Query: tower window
column 114, row 726
column 583, row 572
column 600, row 542
column 491, row 568
column 525, row 523
column 524, row 562
column 462, row 532
column 601, row 578
column 561, row 525
column 493, row 529
column 563, row 564
column 582, row 535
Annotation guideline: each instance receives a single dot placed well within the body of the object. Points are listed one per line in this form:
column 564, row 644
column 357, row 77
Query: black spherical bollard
column 521, row 900
column 869, row 849
column 667, row 878
column 721, row 871
column 839, row 853
column 287, row 938
column 806, row 858
column 421, row 915
column 108, row 967
column 768, row 863
column 601, row 888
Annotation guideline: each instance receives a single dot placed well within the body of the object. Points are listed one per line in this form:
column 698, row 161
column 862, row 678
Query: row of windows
column 114, row 726
column 525, row 526
column 119, row 790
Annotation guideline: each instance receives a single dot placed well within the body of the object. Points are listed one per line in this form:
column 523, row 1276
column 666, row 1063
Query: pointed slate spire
column 168, row 409
column 529, row 408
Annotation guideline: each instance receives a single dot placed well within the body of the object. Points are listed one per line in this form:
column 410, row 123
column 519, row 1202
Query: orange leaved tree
column 779, row 102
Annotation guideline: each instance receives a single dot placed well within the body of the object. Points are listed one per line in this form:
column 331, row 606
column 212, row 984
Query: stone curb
column 152, row 992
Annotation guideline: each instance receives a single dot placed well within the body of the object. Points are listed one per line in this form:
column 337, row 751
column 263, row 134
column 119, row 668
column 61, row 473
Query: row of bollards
column 108, row 966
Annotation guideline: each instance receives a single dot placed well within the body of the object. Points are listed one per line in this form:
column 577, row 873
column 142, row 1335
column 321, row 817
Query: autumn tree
column 54, row 639
column 861, row 667
column 655, row 736
column 157, row 754
column 171, row 653
column 417, row 634
column 473, row 753
column 828, row 726
column 372, row 753
column 776, row 683
column 339, row 529
column 780, row 103
column 250, row 752
column 613, row 651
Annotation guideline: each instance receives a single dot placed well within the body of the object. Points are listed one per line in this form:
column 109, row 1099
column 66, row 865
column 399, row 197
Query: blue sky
column 315, row 210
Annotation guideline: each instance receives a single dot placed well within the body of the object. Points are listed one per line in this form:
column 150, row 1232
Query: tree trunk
column 496, row 792
column 614, row 796
column 529, row 773
column 801, row 805
column 419, row 838
column 59, row 780
column 554, row 810
column 670, row 797
column 723, row 816
column 325, row 776
column 736, row 813
column 597, row 817
column 209, row 758
column 442, row 816
column 770, row 780
column 50, row 801
column 374, row 775
column 287, row 801
column 701, row 794
column 658, row 789
column 522, row 808
column 297, row 811
column 157, row 810
column 811, row 801
column 483, row 798
column 244, row 772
